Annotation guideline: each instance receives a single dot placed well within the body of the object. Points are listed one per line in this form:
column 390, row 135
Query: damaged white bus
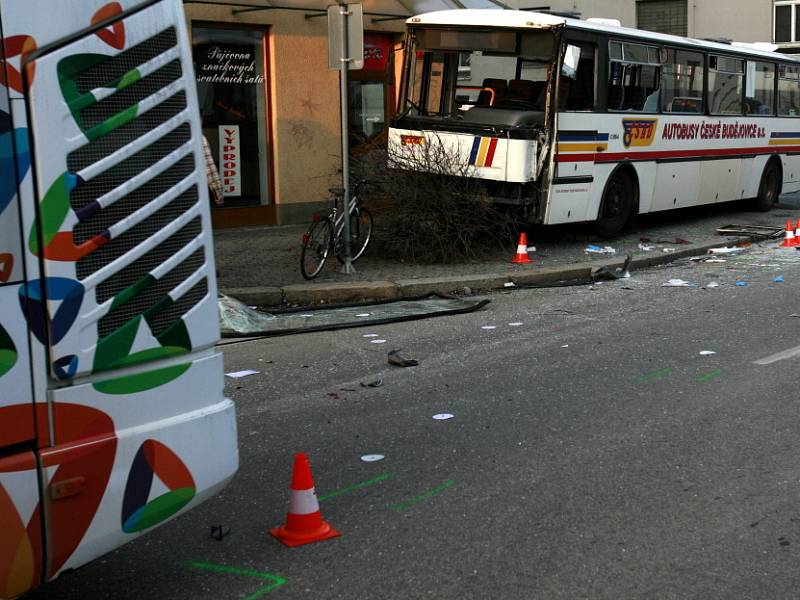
column 576, row 121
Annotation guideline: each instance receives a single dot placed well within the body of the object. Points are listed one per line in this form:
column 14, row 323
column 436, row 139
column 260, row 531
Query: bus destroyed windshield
column 480, row 76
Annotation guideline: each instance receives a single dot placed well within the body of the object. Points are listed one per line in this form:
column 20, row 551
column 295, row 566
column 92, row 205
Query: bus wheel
column 769, row 189
column 616, row 205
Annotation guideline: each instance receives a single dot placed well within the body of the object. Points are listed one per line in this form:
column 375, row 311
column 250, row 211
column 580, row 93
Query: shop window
column 682, row 82
column 633, row 77
column 760, row 89
column 788, row 91
column 230, row 68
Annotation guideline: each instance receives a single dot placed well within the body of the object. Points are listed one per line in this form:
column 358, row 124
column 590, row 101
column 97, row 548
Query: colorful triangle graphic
column 155, row 459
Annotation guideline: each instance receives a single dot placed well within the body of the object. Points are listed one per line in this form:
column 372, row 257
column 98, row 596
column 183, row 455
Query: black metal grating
column 166, row 318
column 151, row 295
column 130, row 167
column 110, row 70
column 103, row 219
column 131, row 95
column 145, row 264
column 137, row 234
column 122, row 136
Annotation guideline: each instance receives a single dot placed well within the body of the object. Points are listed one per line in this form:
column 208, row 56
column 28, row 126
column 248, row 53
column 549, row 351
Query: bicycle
column 325, row 234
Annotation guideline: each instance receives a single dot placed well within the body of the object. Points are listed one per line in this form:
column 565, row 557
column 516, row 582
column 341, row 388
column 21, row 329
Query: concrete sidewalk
column 261, row 265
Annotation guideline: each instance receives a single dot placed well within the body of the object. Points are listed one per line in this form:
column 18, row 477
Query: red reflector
column 306, row 237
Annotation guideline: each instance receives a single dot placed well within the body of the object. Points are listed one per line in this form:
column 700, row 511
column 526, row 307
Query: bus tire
column 769, row 189
column 616, row 205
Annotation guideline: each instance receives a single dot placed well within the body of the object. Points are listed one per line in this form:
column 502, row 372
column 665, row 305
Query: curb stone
column 310, row 294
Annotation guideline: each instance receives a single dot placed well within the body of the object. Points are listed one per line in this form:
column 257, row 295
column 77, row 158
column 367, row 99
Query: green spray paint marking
column 437, row 490
column 654, row 375
column 709, row 376
column 274, row 580
column 357, row 486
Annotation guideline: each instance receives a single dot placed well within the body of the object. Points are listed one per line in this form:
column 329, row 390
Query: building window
column 663, row 16
column 230, row 67
column 786, row 25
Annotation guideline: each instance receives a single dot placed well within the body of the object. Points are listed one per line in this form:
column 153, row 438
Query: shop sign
column 228, row 65
column 230, row 160
column 376, row 52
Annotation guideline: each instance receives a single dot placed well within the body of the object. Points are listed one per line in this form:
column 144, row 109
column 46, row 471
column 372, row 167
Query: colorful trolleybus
column 576, row 120
column 112, row 414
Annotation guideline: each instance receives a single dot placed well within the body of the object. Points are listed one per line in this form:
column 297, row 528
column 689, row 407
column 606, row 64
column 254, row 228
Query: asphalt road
column 594, row 453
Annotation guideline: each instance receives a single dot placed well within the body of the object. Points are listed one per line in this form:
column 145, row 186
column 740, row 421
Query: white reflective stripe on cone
column 522, row 249
column 303, row 502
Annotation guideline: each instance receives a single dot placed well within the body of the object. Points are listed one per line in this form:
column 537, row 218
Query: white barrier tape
column 303, row 502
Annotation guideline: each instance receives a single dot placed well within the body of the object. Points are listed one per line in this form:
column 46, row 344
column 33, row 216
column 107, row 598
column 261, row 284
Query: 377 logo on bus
column 638, row 132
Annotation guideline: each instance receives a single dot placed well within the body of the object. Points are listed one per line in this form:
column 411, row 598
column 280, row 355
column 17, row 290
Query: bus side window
column 682, row 82
column 788, row 91
column 634, row 76
column 576, row 83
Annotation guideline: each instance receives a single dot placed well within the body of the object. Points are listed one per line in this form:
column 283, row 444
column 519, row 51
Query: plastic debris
column 715, row 260
column 377, row 341
column 646, row 248
column 667, row 250
column 443, row 416
column 706, row 352
column 370, row 335
column 373, row 384
column 372, row 457
column 677, row 283
column 531, row 248
column 565, row 346
column 488, row 327
column 509, row 284
column 741, row 284
column 731, row 250
column 759, row 231
column 398, row 360
column 778, row 279
column 515, row 324
column 712, row 284
column 592, row 249
column 239, row 374
column 362, row 315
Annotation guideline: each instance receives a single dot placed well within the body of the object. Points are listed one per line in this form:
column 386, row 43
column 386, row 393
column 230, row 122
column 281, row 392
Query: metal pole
column 348, row 262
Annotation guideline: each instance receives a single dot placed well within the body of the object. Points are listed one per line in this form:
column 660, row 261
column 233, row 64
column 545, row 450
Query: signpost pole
column 343, row 79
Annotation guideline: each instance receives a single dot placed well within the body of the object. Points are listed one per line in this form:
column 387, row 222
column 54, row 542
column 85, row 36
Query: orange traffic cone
column 304, row 523
column 521, row 257
column 789, row 239
column 796, row 241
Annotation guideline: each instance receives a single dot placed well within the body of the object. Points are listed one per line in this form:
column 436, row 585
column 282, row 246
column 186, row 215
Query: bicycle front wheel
column 316, row 246
column 360, row 234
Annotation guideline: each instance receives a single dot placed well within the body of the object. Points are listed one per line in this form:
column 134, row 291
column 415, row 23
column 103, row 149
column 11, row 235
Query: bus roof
column 521, row 19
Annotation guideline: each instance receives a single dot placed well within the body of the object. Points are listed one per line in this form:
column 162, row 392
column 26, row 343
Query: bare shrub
column 427, row 208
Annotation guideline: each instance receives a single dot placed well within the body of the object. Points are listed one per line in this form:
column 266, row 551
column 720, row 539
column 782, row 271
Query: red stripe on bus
column 667, row 154
column 490, row 153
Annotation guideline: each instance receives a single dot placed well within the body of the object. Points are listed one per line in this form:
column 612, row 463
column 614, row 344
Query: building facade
column 270, row 106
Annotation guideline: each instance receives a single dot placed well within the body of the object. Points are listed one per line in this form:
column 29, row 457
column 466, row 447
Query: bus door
column 578, row 141
column 20, row 525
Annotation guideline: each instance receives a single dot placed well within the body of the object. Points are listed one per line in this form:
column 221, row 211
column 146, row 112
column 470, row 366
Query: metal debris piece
column 756, row 231
column 396, row 359
column 218, row 532
column 373, row 384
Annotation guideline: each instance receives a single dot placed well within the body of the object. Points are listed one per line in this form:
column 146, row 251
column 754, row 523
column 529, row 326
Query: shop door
column 231, row 71
column 371, row 94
